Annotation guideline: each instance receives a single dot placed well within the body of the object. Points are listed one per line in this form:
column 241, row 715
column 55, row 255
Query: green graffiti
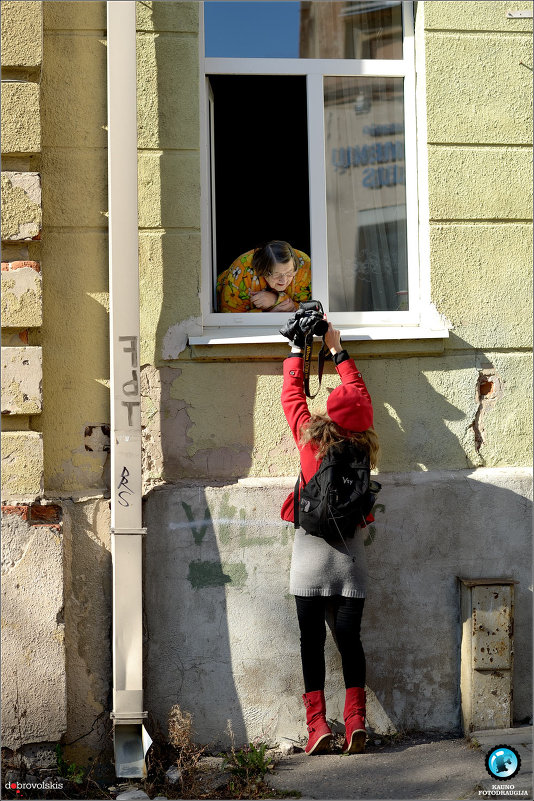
column 371, row 533
column 198, row 535
column 212, row 574
column 229, row 518
column 371, row 530
column 246, row 541
column 237, row 572
column 227, row 513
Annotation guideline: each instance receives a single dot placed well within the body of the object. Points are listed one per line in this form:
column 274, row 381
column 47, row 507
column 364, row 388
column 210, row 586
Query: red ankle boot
column 354, row 716
column 318, row 729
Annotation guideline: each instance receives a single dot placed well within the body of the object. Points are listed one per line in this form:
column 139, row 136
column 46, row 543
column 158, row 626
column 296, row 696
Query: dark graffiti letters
column 131, row 386
column 130, row 405
column 123, row 489
column 132, row 349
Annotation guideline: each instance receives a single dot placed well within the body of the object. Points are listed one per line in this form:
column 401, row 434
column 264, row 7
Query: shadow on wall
column 436, row 527
column 188, row 659
column 188, row 654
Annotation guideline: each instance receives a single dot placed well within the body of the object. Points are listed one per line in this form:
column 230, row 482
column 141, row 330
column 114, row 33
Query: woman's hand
column 285, row 305
column 332, row 339
column 264, row 299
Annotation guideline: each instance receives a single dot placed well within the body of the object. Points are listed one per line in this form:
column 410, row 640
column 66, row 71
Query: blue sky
column 252, row 29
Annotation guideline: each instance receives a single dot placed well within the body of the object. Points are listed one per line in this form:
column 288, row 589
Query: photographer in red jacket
column 329, row 576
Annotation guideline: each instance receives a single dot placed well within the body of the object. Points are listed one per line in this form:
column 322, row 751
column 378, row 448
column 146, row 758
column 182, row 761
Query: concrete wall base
column 221, row 632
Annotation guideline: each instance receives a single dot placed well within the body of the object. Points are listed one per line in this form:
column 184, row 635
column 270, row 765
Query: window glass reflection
column 366, row 194
column 307, row 29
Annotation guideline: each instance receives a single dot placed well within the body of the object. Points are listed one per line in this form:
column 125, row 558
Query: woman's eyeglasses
column 285, row 276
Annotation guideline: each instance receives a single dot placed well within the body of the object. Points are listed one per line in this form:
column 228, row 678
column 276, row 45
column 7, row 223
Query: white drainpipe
column 130, row 738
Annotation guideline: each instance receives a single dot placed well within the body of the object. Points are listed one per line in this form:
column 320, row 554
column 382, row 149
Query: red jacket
column 297, row 413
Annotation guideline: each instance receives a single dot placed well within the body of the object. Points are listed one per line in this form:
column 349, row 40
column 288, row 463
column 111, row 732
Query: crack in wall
column 487, row 392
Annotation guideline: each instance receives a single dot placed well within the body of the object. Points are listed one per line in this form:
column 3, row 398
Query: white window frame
column 421, row 321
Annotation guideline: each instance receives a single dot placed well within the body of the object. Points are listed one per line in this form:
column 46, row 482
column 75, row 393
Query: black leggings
column 344, row 616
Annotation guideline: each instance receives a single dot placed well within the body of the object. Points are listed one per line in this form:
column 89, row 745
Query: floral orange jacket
column 236, row 283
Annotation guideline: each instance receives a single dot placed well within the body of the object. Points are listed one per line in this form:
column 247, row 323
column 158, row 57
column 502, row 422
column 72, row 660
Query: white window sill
column 244, row 335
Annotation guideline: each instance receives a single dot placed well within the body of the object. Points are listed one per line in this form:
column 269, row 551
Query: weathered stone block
column 169, row 190
column 21, row 294
column 21, row 205
column 33, row 649
column 22, row 465
column 484, row 15
column 480, row 183
column 21, row 126
column 481, row 78
column 22, row 33
column 167, row 68
column 22, row 377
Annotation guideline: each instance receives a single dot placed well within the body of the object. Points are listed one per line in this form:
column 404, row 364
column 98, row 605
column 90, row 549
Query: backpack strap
column 296, row 498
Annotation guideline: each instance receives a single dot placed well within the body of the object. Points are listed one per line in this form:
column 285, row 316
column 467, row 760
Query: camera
column 309, row 319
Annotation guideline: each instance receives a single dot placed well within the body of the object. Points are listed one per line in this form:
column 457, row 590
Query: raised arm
column 345, row 366
column 293, row 398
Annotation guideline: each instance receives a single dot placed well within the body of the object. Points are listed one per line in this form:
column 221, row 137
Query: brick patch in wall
column 22, row 511
column 18, row 265
column 37, row 514
column 16, row 339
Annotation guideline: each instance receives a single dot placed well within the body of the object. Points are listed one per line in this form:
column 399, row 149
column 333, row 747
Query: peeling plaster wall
column 33, row 629
column 86, row 531
column 429, row 414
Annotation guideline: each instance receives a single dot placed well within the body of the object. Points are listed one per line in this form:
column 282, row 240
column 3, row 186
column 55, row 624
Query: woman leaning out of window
column 271, row 278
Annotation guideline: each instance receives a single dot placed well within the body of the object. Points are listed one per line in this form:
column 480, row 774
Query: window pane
column 307, row 29
column 350, row 30
column 365, row 194
column 252, row 29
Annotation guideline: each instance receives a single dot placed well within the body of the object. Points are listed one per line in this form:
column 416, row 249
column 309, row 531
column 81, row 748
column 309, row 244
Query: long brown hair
column 324, row 433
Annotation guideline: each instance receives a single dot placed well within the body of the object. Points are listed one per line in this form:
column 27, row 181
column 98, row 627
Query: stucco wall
column 75, row 296
column 211, row 415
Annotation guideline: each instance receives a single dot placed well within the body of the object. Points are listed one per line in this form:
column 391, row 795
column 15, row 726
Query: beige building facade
column 442, row 191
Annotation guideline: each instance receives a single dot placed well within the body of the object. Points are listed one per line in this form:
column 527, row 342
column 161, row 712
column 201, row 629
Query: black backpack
column 339, row 496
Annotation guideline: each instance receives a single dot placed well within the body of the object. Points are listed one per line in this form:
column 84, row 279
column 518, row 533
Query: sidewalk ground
column 415, row 768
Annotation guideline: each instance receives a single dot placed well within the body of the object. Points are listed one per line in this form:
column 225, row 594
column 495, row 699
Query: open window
column 309, row 136
column 259, row 155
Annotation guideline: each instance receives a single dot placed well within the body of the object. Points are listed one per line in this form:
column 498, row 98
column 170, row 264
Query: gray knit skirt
column 328, row 568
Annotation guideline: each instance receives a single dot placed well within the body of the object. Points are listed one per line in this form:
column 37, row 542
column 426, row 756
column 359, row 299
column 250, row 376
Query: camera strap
column 324, row 355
